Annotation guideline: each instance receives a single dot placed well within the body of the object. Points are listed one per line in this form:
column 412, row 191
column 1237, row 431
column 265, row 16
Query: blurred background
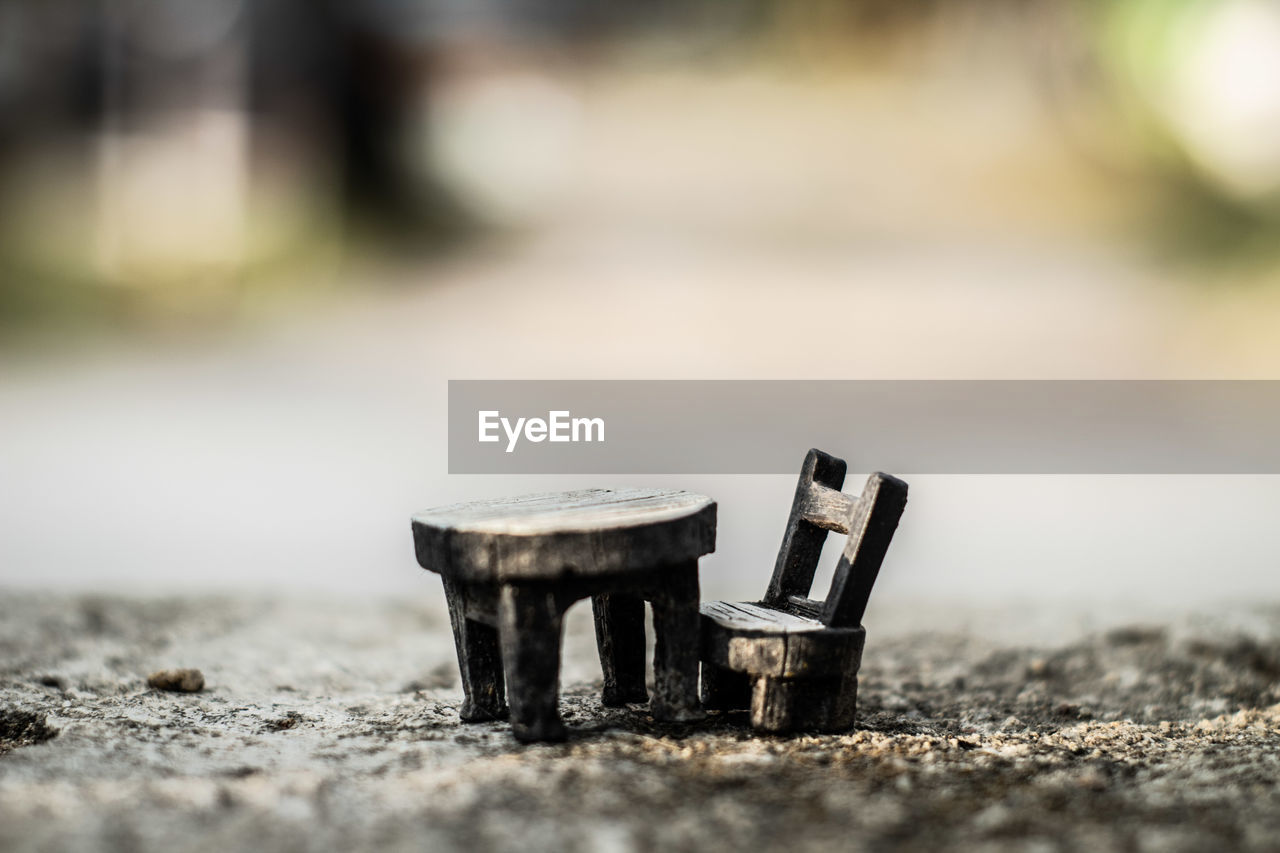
column 244, row 244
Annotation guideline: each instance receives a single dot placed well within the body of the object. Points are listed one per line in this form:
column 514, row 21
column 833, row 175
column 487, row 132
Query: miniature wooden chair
column 792, row 660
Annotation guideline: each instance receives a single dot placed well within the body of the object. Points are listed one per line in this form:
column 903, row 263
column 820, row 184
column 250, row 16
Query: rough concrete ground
column 333, row 725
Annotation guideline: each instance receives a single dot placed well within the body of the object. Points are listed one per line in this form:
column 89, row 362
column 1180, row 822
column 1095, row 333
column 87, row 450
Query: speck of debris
column 177, row 680
column 241, row 772
column 284, row 723
column 1135, row 635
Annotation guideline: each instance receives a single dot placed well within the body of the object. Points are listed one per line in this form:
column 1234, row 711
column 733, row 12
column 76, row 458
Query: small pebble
column 177, row 680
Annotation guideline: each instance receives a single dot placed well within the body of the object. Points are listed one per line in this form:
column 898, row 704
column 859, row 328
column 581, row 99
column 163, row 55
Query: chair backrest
column 819, row 507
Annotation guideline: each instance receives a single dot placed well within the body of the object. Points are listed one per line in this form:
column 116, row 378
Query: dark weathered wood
column 874, row 519
column 510, row 578
column 547, row 536
column 619, row 622
column 479, row 660
column 762, row 618
column 676, row 630
column 782, row 650
column 560, row 512
column 802, row 543
column 794, row 660
column 790, row 704
column 724, row 689
column 530, row 623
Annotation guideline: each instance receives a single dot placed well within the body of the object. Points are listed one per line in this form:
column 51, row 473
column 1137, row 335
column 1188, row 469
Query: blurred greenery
column 352, row 122
column 1175, row 68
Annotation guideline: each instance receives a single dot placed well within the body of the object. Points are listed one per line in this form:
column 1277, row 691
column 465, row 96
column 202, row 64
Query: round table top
column 587, row 532
column 557, row 512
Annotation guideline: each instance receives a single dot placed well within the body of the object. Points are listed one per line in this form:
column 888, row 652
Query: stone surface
column 334, row 725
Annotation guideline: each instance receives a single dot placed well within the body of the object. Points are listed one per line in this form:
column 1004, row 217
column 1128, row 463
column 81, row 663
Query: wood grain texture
column 479, row 661
column 803, row 540
column 561, row 512
column 793, row 660
column 872, row 523
column 512, row 567
column 530, row 625
column 749, row 616
column 554, row 535
column 619, row 623
column 767, row 647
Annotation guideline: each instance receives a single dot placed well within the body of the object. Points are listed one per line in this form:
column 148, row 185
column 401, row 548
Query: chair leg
column 845, row 714
column 620, row 637
column 723, row 689
column 530, row 623
column 479, row 661
column 790, row 704
column 771, row 705
column 677, row 627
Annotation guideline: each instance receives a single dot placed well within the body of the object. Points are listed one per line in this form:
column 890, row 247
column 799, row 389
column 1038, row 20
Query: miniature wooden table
column 512, row 567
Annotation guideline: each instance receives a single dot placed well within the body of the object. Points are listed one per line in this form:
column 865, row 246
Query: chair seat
column 753, row 617
column 752, row 638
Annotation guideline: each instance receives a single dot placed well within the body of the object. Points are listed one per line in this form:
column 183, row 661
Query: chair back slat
column 830, row 509
column 875, row 518
column 802, row 542
column 819, row 507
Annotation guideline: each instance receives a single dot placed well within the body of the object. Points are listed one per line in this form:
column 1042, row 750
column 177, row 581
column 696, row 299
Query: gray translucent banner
column 925, row 426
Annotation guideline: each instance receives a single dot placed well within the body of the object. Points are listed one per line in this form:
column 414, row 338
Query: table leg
column 529, row 624
column 620, row 637
column 479, row 661
column 676, row 628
